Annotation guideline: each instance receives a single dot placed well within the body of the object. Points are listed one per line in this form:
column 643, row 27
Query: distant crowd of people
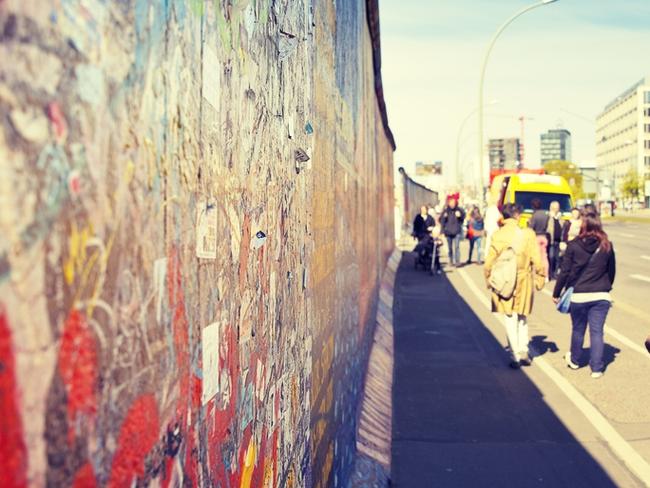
column 577, row 253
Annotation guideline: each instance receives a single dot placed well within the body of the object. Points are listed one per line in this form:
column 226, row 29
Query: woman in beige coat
column 530, row 275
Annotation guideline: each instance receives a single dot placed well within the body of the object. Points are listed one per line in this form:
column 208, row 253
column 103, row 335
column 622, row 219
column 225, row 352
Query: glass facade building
column 555, row 145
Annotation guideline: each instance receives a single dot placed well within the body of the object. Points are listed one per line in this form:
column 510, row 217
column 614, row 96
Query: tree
column 632, row 185
column 569, row 172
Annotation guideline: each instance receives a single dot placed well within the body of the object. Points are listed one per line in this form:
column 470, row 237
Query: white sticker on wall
column 211, row 76
column 159, row 279
column 210, row 361
column 206, row 231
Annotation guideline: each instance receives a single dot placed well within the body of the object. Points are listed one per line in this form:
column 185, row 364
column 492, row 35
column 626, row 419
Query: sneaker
column 596, row 374
column 526, row 360
column 569, row 362
column 514, row 364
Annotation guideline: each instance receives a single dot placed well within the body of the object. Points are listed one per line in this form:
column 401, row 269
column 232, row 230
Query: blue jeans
column 553, row 259
column 476, row 241
column 453, row 243
column 593, row 314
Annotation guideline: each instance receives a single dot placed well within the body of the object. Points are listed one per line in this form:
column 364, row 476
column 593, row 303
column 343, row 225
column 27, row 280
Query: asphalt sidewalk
column 461, row 417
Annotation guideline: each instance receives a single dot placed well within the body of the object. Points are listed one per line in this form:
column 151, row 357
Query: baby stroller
column 427, row 254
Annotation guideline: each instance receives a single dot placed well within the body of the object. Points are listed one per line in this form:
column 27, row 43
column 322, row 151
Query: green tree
column 632, row 185
column 569, row 172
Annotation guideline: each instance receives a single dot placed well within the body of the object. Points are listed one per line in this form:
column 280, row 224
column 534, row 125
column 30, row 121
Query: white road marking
column 615, row 334
column 645, row 257
column 640, row 278
column 624, row 340
column 625, row 234
column 625, row 452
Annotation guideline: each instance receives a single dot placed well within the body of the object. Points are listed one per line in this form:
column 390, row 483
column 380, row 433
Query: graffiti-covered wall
column 195, row 209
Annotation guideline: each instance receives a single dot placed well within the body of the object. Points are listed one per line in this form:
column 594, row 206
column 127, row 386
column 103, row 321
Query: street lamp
column 484, row 66
column 460, row 132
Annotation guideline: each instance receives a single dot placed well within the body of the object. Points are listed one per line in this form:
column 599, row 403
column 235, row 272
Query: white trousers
column 517, row 331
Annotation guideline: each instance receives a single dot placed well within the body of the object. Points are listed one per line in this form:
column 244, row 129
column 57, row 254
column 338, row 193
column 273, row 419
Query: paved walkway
column 462, row 418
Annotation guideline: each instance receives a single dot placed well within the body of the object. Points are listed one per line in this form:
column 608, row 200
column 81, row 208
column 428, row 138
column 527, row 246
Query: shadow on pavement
column 540, row 346
column 461, row 417
column 609, row 356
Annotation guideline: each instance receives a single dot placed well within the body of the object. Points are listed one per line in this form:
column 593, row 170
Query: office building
column 505, row 153
column 555, row 145
column 623, row 136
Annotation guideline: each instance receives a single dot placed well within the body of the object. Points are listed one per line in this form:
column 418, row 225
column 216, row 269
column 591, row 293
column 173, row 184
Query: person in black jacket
column 421, row 224
column 589, row 266
column 554, row 236
column 451, row 221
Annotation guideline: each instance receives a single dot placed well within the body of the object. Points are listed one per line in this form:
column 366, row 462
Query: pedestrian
column 475, row 232
column 492, row 220
column 571, row 227
column 451, row 220
column 589, row 266
column 530, row 276
column 432, row 213
column 554, row 236
column 421, row 223
column 539, row 223
column 437, row 244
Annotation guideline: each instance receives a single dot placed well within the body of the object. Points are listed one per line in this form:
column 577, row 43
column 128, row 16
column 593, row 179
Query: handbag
column 564, row 304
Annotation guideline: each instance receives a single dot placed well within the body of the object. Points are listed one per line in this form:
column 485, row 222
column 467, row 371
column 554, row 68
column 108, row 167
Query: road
column 608, row 418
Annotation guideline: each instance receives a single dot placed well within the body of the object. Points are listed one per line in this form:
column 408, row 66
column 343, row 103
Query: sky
column 557, row 65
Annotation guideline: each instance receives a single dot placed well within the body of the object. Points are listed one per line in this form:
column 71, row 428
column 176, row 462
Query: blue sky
column 557, row 65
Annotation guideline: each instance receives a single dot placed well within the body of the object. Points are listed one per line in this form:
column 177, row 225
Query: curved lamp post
column 459, row 174
column 480, row 87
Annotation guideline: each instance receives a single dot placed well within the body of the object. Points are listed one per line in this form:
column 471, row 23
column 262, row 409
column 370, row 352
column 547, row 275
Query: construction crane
column 522, row 122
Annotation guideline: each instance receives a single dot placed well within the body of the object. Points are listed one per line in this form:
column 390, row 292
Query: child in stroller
column 428, row 251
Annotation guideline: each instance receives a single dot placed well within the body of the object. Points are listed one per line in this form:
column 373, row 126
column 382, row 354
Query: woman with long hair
column 589, row 266
column 475, row 232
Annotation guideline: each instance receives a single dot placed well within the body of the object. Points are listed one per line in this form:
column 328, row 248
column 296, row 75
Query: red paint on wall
column 78, row 368
column 59, row 124
column 190, row 386
column 192, row 467
column 85, row 477
column 180, row 324
column 138, row 435
column 13, row 453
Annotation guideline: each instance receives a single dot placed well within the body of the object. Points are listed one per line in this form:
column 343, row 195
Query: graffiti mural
column 189, row 266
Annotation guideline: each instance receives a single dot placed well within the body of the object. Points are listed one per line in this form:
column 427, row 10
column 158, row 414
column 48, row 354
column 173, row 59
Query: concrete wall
column 146, row 332
column 411, row 196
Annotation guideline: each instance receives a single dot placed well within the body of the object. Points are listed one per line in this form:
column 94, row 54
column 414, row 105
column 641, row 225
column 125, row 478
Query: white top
column 590, row 297
column 491, row 220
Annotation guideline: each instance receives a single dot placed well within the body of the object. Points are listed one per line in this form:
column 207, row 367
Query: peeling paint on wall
column 183, row 300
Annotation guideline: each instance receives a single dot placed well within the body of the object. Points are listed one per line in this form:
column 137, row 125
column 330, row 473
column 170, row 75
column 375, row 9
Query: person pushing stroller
column 428, row 251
